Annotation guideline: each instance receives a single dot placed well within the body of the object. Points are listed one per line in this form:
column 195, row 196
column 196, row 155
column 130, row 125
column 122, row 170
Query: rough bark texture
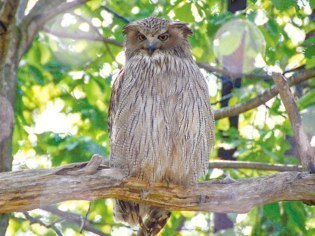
column 30, row 189
column 9, row 42
column 306, row 153
column 15, row 38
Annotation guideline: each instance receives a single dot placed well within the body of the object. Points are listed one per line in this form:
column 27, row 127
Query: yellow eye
column 163, row 37
column 141, row 37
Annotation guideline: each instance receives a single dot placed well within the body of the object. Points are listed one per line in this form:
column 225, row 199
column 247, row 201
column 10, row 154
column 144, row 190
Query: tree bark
column 15, row 38
column 9, row 42
column 306, row 152
column 29, row 189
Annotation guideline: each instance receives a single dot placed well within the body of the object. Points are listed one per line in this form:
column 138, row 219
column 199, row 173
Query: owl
column 160, row 121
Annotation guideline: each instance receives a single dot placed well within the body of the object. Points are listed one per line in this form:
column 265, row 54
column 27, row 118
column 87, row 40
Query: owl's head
column 153, row 35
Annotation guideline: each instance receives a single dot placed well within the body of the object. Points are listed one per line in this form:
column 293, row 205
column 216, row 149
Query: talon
column 144, row 194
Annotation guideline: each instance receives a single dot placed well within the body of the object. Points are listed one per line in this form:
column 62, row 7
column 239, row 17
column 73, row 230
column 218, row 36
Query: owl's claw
column 144, row 194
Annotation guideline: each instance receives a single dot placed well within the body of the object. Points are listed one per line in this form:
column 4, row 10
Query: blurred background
column 64, row 85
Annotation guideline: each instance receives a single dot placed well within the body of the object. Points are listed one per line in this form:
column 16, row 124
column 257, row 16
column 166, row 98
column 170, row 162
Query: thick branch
column 9, row 41
column 30, row 189
column 7, row 12
column 306, row 153
column 264, row 97
column 21, row 10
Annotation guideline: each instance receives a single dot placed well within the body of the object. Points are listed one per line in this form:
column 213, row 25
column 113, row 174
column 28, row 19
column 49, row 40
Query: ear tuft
column 129, row 27
column 182, row 26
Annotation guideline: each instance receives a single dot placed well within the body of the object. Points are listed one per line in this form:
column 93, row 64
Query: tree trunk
column 9, row 44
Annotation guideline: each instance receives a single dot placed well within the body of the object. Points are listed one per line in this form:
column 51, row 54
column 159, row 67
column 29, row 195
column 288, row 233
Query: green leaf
column 309, row 41
column 184, row 13
column 307, row 100
column 309, row 51
column 93, row 92
column 312, row 4
column 272, row 211
column 296, row 216
column 310, row 63
column 37, row 74
column 94, row 4
column 283, row 5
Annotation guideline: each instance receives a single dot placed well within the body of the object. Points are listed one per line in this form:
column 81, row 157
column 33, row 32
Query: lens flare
column 239, row 46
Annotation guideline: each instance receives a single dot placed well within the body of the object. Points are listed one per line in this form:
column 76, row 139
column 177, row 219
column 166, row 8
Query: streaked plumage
column 160, row 120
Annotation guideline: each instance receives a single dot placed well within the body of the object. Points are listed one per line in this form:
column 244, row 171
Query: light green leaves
column 283, row 5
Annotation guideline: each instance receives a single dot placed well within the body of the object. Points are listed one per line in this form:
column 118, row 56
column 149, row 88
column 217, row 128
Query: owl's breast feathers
column 160, row 120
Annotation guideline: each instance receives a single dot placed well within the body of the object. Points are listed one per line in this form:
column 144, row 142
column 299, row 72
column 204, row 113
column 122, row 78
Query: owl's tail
column 150, row 219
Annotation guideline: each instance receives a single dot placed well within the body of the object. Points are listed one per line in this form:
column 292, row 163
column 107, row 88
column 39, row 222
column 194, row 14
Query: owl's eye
column 163, row 37
column 141, row 37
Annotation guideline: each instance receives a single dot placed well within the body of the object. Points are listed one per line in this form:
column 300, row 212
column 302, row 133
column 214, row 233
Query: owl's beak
column 151, row 48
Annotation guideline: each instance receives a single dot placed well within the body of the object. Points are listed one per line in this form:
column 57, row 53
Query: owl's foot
column 144, row 194
column 97, row 162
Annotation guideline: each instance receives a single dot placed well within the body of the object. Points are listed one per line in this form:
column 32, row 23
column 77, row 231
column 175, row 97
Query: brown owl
column 160, row 121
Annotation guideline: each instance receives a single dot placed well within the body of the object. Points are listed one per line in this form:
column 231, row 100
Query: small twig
column 80, row 35
column 224, row 98
column 229, row 74
column 116, row 14
column 83, row 19
column 85, row 218
column 305, row 150
column 76, row 219
column 253, row 166
column 294, row 69
column 34, row 220
column 269, row 108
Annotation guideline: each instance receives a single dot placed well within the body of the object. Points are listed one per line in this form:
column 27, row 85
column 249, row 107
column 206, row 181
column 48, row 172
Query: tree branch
column 216, row 69
column 21, row 10
column 81, row 35
column 115, row 14
column 45, row 186
column 306, row 152
column 262, row 98
column 34, row 220
column 253, row 166
column 9, row 41
column 41, row 13
column 7, row 12
column 76, row 219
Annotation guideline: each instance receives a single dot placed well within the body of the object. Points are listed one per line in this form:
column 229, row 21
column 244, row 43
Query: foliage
column 63, row 96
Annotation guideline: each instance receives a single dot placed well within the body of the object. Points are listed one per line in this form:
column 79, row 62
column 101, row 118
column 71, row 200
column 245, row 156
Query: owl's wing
column 114, row 99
